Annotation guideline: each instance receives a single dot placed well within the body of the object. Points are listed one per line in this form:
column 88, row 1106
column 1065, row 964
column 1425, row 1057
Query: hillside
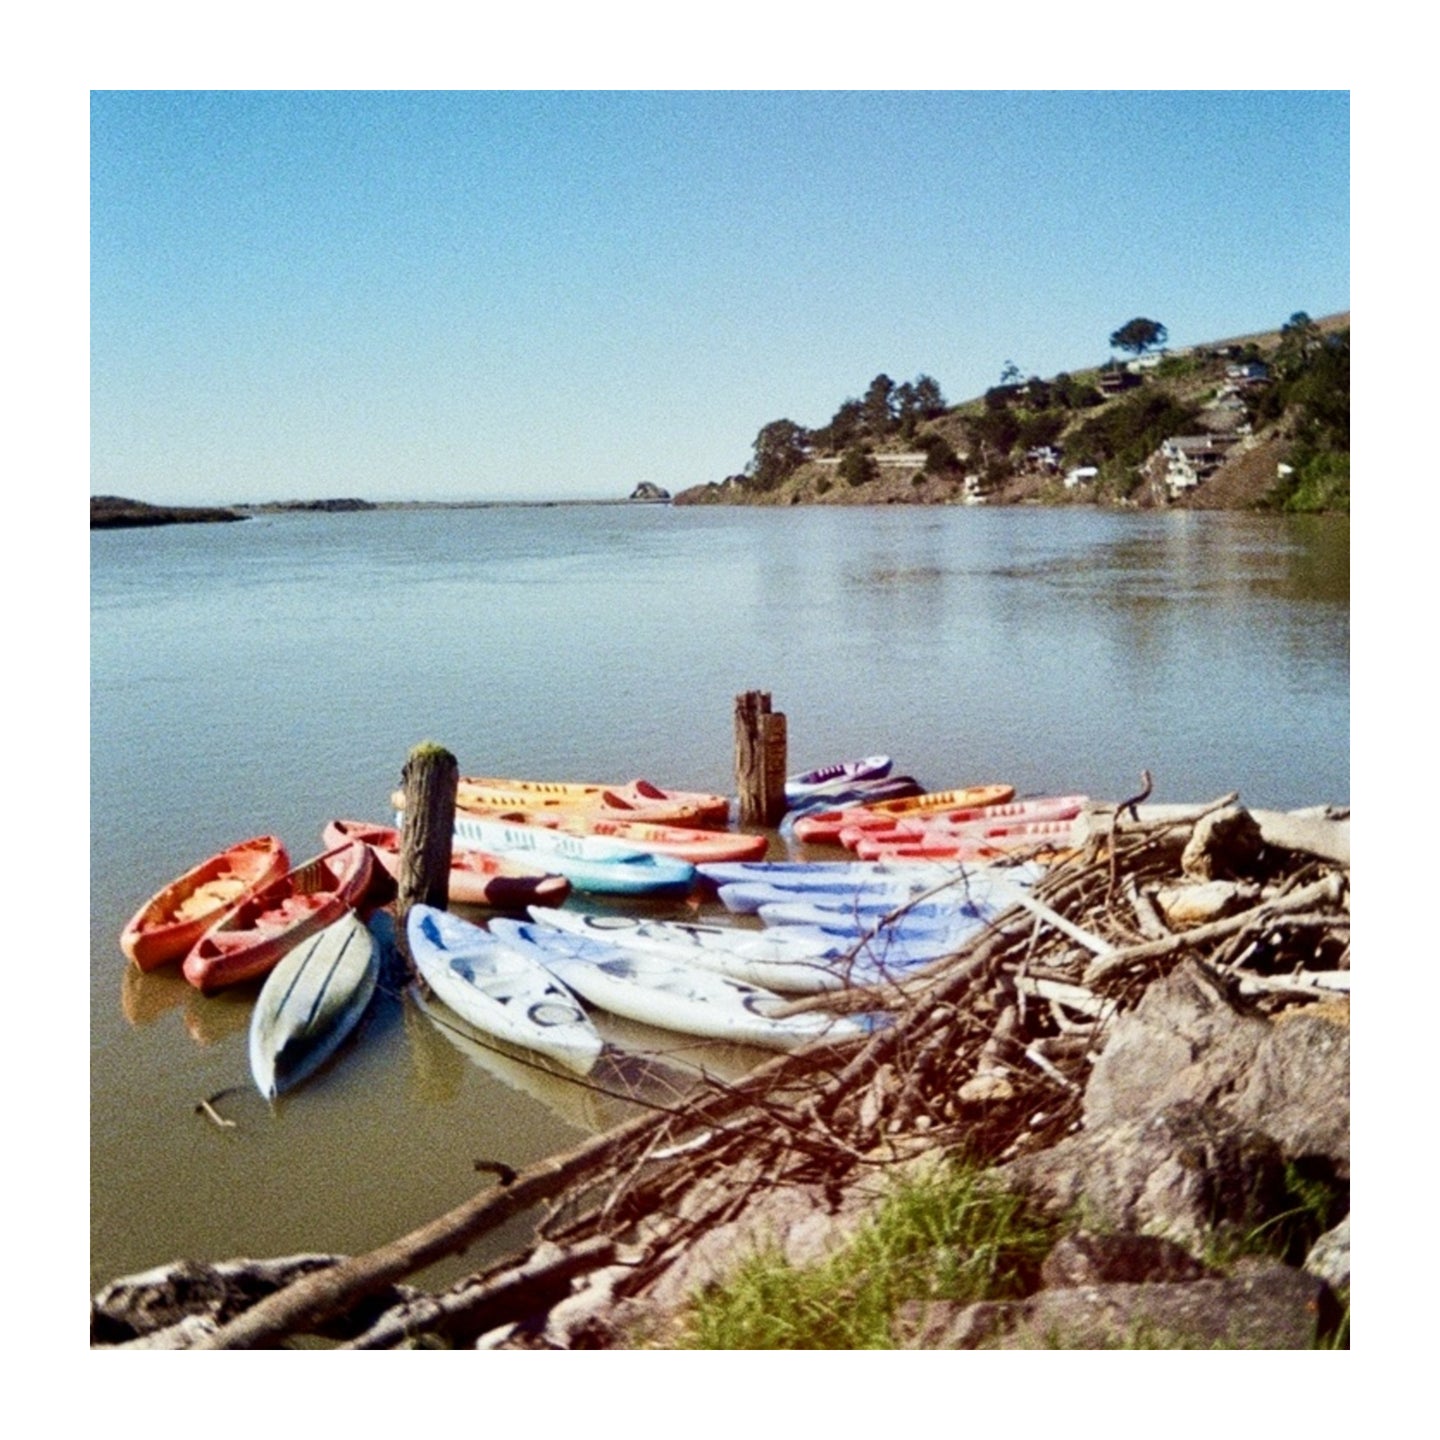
column 1253, row 421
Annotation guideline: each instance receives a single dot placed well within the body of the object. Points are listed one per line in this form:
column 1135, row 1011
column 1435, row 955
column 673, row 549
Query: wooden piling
column 429, row 779
column 760, row 759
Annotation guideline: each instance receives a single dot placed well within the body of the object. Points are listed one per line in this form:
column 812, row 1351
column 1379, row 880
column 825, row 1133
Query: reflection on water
column 620, row 1084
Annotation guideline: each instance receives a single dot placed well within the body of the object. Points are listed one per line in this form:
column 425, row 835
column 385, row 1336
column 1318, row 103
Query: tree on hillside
column 929, row 400
column 845, row 425
column 1009, row 375
column 1300, row 339
column 780, row 449
column 1139, row 335
column 878, row 405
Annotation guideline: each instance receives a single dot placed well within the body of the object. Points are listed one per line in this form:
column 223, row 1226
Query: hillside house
column 1115, row 382
column 1043, row 457
column 1142, row 363
column 1081, row 475
column 1248, row 372
column 1190, row 459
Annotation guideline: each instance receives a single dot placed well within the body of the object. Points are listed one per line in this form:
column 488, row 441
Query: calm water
column 267, row 676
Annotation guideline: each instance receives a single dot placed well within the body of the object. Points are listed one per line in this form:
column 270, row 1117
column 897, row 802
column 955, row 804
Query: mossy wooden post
column 429, row 780
column 760, row 740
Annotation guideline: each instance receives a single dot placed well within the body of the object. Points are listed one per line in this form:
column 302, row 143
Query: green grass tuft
column 944, row 1236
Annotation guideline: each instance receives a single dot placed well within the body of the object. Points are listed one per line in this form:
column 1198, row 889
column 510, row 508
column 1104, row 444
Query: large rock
column 1180, row 1173
column 1268, row 1307
column 1089, row 1257
column 1297, row 1087
column 1189, row 1042
column 1185, row 1041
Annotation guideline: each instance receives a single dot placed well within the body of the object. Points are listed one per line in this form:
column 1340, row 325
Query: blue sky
column 552, row 294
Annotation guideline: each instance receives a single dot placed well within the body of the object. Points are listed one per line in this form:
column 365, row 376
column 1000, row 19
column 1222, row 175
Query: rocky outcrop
column 649, row 491
column 111, row 512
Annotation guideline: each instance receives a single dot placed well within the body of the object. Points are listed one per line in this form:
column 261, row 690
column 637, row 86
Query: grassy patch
column 943, row 1236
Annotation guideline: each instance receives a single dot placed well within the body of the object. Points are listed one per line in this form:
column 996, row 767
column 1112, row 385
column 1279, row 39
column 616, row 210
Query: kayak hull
column 310, row 1002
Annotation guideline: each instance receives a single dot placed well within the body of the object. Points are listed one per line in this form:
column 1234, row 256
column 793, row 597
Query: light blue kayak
column 744, row 887
column 674, row 995
column 874, row 957
column 952, row 924
column 828, row 874
column 594, row 864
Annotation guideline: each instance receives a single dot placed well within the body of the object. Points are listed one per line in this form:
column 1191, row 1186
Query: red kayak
column 981, row 844
column 996, row 821
column 249, row 940
column 476, row 877
column 166, row 926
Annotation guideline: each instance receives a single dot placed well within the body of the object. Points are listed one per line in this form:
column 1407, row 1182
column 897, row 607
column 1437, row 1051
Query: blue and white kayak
column 594, row 864
column 748, row 898
column 942, row 927
column 310, row 1002
column 772, row 960
column 872, row 957
column 674, row 995
column 500, row 988
column 851, row 792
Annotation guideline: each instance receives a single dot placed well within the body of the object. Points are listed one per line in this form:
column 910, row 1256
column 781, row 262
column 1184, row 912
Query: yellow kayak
column 637, row 800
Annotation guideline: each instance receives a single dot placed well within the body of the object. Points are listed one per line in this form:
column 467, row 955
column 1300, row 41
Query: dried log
column 470, row 1309
column 1308, row 982
column 1147, row 916
column 1074, row 997
column 1329, row 889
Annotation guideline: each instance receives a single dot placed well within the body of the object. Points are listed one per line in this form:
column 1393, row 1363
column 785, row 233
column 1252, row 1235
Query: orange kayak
column 639, row 800
column 174, row 918
column 826, row 825
column 250, row 939
column 679, row 841
column 476, row 876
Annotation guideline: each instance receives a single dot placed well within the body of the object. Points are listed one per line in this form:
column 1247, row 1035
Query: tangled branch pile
column 989, row 1054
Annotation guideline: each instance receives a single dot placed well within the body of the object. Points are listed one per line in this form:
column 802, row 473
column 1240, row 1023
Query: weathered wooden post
column 760, row 741
column 428, row 780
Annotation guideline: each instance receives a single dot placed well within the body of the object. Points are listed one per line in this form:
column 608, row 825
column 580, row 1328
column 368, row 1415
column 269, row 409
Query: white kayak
column 310, row 1002
column 500, row 988
column 772, row 961
column 595, row 864
column 674, row 995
